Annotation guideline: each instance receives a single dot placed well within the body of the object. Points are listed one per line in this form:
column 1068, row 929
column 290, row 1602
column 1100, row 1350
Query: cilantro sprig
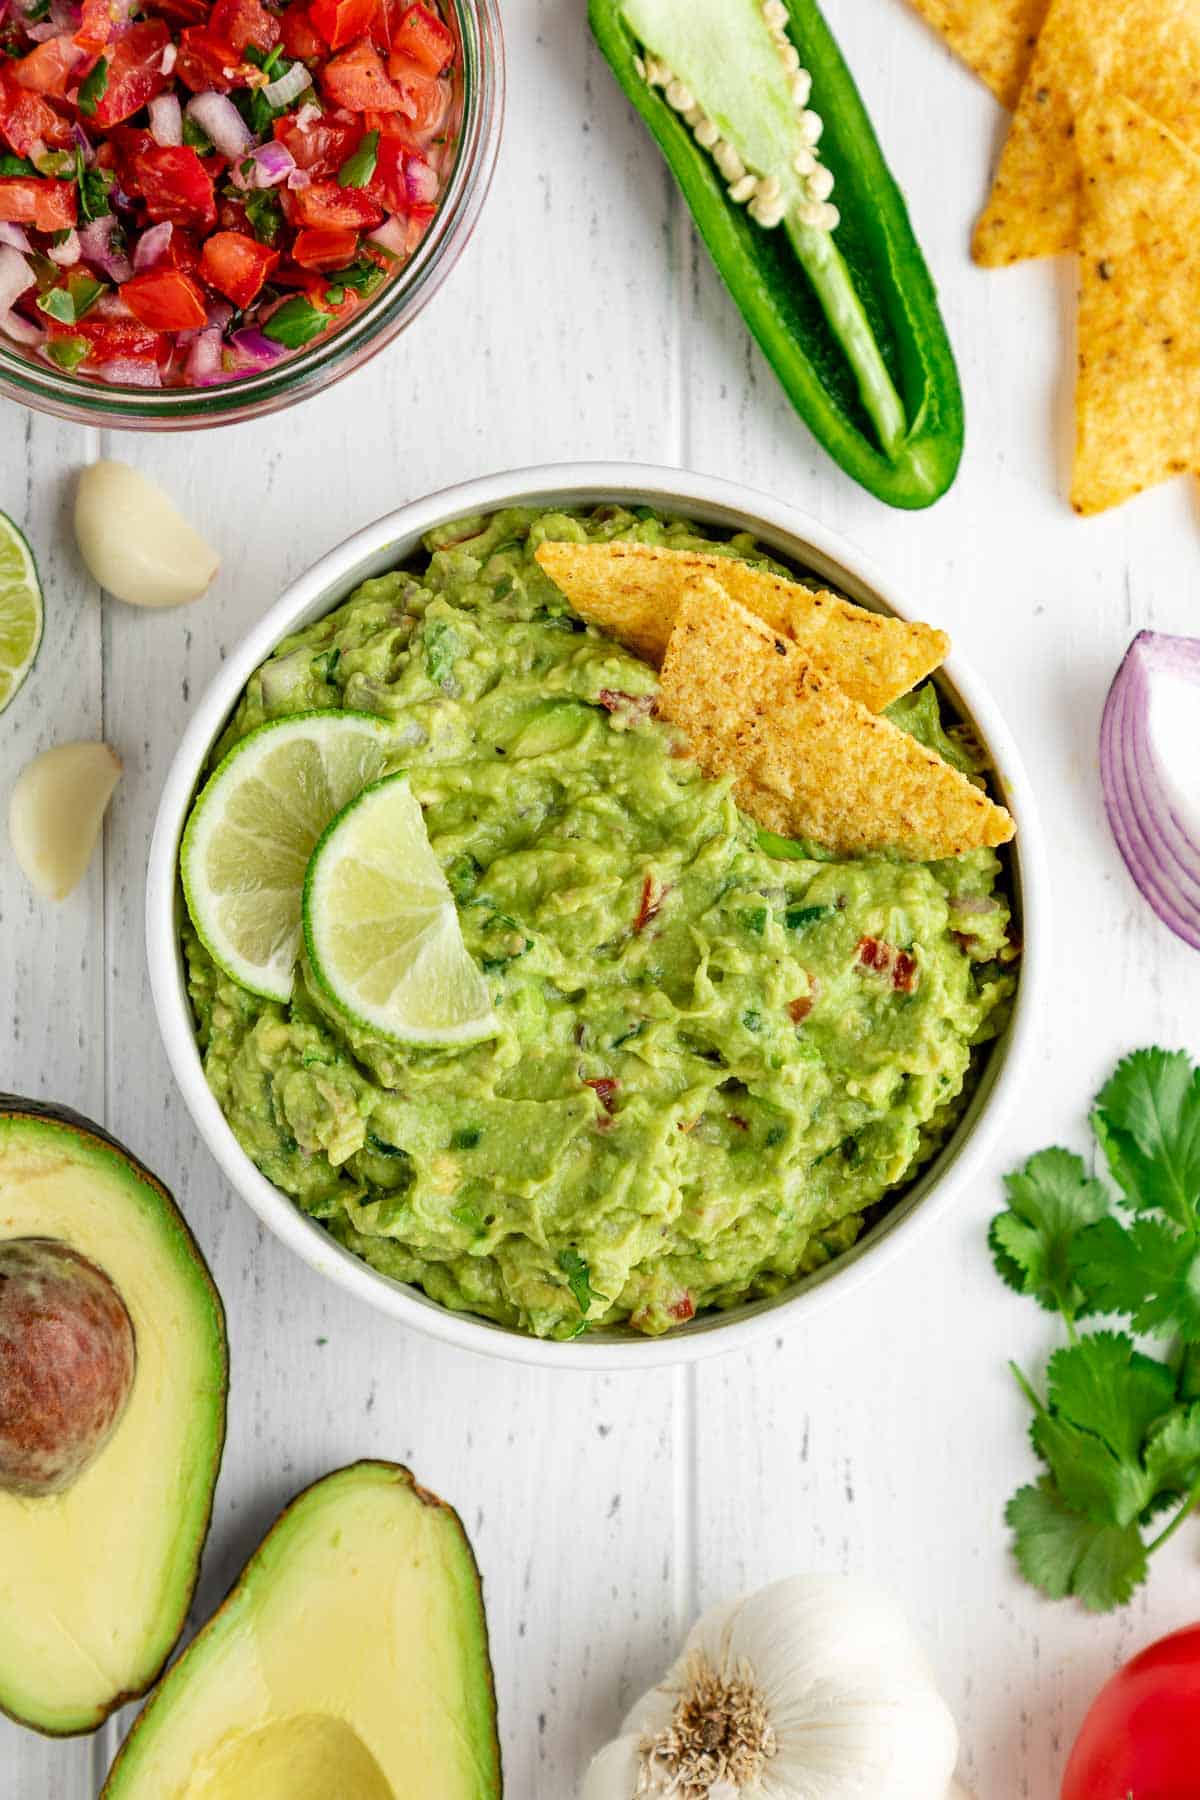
column 579, row 1279
column 1118, row 1430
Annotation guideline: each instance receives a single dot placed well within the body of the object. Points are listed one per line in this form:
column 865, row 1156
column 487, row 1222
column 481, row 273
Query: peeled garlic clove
column 56, row 811
column 135, row 542
column 958, row 1792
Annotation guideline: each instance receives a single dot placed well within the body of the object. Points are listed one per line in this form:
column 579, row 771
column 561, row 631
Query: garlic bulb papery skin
column 811, row 1689
column 136, row 542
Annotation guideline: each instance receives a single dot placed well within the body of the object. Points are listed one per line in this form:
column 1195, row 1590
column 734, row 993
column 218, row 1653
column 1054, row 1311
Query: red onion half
column 1153, row 802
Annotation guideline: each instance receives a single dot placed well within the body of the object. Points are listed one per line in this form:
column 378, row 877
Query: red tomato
column 26, row 120
column 48, row 67
column 341, row 21
column 356, row 79
column 1142, row 1736
column 327, row 204
column 112, row 340
column 32, row 200
column 206, row 61
column 425, row 101
column 134, row 72
column 182, row 12
column 242, row 22
column 96, row 26
column 236, row 265
column 325, row 247
column 175, row 185
column 324, row 147
column 300, row 41
column 165, row 299
column 422, row 36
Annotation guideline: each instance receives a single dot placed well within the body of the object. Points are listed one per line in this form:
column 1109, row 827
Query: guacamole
column 717, row 1051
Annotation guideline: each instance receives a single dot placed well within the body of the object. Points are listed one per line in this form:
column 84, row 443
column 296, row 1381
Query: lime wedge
column 20, row 610
column 381, row 928
column 252, row 831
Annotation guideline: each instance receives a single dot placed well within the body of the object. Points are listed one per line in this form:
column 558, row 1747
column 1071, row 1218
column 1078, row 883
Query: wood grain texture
column 584, row 321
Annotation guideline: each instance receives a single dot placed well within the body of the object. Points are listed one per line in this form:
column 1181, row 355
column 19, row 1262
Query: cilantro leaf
column 1062, row 1553
column 1146, row 1269
column 1105, row 1487
column 295, row 323
column 1173, row 1452
column 1105, row 1386
column 579, row 1279
column 93, row 87
column 265, row 215
column 1147, row 1119
column 1050, row 1200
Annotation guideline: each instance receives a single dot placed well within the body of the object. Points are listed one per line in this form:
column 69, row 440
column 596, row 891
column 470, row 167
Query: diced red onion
column 66, row 254
column 23, row 330
column 41, row 34
column 83, row 143
column 420, row 181
column 265, row 167
column 166, row 120
column 204, row 359
column 391, row 236
column 111, row 306
column 219, row 118
column 153, row 246
column 299, row 178
column 169, row 58
column 218, row 314
column 973, row 904
column 15, row 236
column 1151, row 794
column 258, row 351
column 16, row 276
column 307, row 117
column 289, row 87
column 131, row 371
column 96, row 243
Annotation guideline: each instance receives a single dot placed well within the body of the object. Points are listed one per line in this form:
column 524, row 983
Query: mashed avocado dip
column 717, row 1050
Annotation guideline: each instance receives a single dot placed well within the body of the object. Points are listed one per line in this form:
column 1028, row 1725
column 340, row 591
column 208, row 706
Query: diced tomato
column 180, row 12
column 175, row 185
column 96, row 26
column 325, row 247
column 33, row 200
column 183, row 252
column 134, row 72
column 236, row 265
column 300, row 40
column 324, row 147
column 652, row 898
column 341, row 21
column 206, row 62
column 49, row 66
column 425, row 101
column 885, row 959
column 242, row 22
column 165, row 299
column 113, row 339
column 799, row 1009
column 327, row 204
column 404, row 182
column 26, row 120
column 682, row 1309
column 422, row 36
column 356, row 79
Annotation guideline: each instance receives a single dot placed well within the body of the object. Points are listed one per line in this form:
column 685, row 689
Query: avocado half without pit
column 350, row 1662
column 113, row 1378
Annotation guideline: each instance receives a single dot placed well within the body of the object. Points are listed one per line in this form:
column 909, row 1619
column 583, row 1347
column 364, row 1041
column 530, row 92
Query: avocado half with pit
column 113, row 1378
column 350, row 1660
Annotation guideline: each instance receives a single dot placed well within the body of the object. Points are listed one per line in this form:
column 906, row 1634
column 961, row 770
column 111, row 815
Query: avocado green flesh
column 350, row 1662
column 95, row 1582
column 740, row 1148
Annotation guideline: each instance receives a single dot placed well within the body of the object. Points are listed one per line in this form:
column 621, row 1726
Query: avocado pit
column 67, row 1359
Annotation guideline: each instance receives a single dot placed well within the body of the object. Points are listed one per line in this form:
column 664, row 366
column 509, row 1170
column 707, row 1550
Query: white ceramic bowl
column 382, row 546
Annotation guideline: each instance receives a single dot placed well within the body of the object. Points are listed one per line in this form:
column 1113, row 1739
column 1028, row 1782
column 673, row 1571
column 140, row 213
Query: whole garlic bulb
column 811, row 1689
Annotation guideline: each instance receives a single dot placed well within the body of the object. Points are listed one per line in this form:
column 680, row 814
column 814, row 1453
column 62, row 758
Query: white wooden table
column 886, row 1436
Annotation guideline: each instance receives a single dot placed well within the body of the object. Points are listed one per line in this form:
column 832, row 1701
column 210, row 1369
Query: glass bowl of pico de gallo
column 210, row 209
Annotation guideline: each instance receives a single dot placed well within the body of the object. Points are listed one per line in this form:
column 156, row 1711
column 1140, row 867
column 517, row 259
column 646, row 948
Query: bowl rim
column 382, row 544
column 314, row 368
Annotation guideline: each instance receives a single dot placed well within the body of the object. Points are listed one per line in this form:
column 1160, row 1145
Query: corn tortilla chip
column 1148, row 49
column 1137, row 396
column 996, row 38
column 632, row 591
column 810, row 761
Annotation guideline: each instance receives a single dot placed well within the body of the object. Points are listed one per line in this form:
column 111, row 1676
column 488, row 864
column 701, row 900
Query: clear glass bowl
column 36, row 383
